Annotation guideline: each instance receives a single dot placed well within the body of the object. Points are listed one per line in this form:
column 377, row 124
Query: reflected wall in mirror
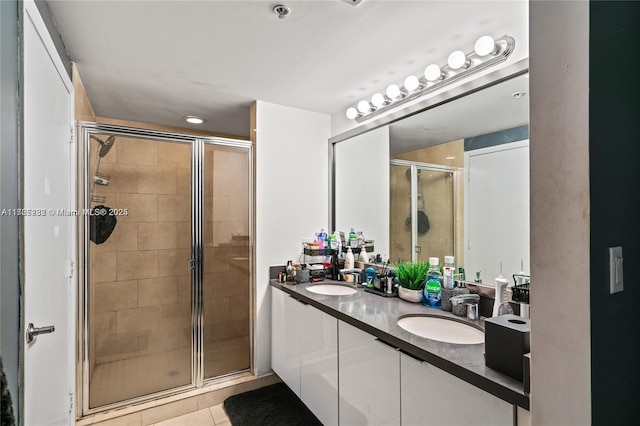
column 468, row 162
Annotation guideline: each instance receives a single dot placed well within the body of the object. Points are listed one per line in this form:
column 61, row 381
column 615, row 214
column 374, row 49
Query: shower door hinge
column 70, row 402
column 70, row 268
column 72, row 135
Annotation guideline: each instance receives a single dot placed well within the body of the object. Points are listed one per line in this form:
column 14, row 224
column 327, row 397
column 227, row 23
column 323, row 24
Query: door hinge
column 70, row 402
column 72, row 135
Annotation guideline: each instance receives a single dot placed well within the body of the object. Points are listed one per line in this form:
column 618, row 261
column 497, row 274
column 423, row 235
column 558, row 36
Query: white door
column 48, row 234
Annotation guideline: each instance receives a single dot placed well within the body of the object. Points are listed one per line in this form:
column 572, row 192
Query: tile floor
column 206, row 417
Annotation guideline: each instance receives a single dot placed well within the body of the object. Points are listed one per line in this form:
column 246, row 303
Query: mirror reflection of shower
column 101, row 178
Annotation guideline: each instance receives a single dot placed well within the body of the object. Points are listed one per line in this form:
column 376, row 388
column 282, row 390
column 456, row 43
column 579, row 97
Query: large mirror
column 452, row 180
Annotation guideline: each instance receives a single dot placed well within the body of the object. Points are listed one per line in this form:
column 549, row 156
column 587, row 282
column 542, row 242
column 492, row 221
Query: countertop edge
column 478, row 380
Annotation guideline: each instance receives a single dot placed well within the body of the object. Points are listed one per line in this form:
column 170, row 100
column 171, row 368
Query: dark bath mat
column 271, row 405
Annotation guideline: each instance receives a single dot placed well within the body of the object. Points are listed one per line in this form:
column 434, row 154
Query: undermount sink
column 332, row 290
column 442, row 329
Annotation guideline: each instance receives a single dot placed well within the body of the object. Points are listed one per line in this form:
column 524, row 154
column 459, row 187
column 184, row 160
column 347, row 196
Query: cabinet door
column 431, row 396
column 319, row 364
column 369, row 379
column 285, row 338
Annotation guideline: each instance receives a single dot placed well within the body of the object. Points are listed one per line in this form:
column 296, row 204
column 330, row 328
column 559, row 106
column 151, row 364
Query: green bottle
column 432, row 294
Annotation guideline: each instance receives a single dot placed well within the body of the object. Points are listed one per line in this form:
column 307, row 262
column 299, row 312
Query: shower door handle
column 191, row 264
column 32, row 331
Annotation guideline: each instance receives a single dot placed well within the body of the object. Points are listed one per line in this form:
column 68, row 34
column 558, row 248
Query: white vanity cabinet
column 286, row 322
column 304, row 353
column 319, row 364
column 369, row 379
column 431, row 396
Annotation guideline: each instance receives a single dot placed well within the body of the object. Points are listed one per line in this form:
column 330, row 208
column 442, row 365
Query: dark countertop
column 378, row 316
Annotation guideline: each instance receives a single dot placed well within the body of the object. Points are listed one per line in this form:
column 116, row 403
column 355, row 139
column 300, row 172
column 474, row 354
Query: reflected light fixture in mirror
column 487, row 53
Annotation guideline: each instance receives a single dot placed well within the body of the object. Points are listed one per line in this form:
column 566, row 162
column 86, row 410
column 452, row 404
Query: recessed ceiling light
column 518, row 95
column 194, row 119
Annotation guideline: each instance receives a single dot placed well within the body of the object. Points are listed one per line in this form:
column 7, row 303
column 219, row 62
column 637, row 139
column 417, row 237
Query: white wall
column 363, row 162
column 291, row 198
column 560, row 221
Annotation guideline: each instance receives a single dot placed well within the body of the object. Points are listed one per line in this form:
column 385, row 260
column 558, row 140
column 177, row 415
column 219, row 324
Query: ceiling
column 158, row 61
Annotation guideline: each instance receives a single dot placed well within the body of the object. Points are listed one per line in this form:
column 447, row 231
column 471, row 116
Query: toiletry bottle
column 360, row 239
column 349, row 262
column 321, row 239
column 364, row 256
column 433, row 287
column 289, row 270
column 353, row 238
column 448, row 271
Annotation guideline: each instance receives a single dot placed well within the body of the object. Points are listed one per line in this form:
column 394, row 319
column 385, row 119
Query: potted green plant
column 411, row 279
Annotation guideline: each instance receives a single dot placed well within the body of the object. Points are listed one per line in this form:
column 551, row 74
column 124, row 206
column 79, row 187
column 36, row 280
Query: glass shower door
column 227, row 259
column 422, row 211
column 139, row 286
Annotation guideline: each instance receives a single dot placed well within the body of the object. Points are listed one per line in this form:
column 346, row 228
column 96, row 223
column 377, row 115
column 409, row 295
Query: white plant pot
column 410, row 295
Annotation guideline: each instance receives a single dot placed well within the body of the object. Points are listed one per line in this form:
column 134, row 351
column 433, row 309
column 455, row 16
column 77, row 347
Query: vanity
column 350, row 362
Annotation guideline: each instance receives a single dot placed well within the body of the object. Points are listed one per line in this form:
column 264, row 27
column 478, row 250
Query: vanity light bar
column 487, row 53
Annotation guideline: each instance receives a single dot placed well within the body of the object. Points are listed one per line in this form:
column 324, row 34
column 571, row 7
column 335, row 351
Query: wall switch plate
column 615, row 270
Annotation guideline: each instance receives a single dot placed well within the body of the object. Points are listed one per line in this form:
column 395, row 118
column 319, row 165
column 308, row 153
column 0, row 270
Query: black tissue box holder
column 506, row 340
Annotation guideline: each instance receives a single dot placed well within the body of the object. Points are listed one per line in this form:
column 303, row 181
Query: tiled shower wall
column 436, row 191
column 139, row 280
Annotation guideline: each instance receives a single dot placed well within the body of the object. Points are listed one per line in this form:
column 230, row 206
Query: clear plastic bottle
column 360, row 239
column 433, row 288
column 321, row 239
column 448, row 271
column 353, row 238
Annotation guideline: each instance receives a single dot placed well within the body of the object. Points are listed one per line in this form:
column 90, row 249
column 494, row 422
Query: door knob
column 32, row 331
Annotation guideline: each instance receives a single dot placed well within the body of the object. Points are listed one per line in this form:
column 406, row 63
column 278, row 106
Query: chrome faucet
column 355, row 272
column 471, row 300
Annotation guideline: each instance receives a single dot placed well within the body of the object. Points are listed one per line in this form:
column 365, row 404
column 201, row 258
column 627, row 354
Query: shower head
column 105, row 146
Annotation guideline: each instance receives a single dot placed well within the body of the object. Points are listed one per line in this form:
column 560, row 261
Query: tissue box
column 506, row 340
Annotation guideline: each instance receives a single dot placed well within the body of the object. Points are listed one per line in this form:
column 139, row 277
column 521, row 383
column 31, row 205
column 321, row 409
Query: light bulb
column 393, row 91
column 411, row 83
column 485, row 45
column 457, row 60
column 433, row 73
column 364, row 107
column 194, row 119
column 352, row 113
column 377, row 100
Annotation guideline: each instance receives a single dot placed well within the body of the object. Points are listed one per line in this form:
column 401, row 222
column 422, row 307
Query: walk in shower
column 166, row 296
column 422, row 217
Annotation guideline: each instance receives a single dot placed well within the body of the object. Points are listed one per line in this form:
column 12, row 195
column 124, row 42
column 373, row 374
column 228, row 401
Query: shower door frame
column 414, row 166
column 197, row 142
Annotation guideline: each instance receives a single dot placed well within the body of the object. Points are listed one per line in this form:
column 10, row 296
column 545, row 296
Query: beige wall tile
column 183, row 181
column 184, row 234
column 157, row 291
column 104, row 267
column 123, row 178
column 123, row 238
column 113, row 296
column 136, row 151
column 239, row 307
column 137, row 264
column 216, row 310
column 157, row 180
column 216, row 260
column 174, row 208
column 174, row 154
column 158, row 235
column 139, row 321
column 184, row 289
column 173, row 262
column 141, row 207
